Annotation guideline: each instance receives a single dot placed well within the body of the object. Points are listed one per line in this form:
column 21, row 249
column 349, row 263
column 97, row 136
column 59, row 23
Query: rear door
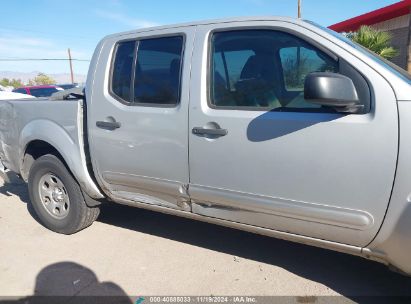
column 138, row 118
column 261, row 154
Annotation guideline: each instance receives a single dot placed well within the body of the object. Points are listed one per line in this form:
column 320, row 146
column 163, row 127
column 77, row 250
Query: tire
column 56, row 197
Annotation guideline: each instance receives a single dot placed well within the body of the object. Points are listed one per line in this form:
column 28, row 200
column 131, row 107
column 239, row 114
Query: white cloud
column 124, row 19
column 24, row 41
column 29, row 47
column 17, row 46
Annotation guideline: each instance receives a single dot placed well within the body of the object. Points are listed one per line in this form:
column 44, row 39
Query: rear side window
column 264, row 70
column 43, row 92
column 157, row 76
column 22, row 91
column 148, row 71
column 122, row 68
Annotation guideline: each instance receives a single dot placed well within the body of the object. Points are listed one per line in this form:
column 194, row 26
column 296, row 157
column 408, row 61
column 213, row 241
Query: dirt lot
column 137, row 252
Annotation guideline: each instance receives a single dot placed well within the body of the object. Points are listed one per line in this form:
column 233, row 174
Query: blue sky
column 46, row 28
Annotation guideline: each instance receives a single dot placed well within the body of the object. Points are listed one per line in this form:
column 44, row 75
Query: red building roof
column 386, row 13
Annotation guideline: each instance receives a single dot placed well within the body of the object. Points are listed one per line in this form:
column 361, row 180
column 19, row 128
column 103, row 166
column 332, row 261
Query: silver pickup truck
column 270, row 125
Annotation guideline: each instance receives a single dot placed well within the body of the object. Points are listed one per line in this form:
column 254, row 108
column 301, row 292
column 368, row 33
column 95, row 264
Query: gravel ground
column 137, row 252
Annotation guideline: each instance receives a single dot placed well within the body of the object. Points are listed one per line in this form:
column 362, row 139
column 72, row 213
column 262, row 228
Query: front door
column 138, row 120
column 260, row 154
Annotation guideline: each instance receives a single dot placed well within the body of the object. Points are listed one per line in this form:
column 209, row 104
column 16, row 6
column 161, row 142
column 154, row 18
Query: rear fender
column 68, row 141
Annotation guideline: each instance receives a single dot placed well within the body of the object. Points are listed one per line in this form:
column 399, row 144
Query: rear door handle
column 108, row 125
column 212, row 132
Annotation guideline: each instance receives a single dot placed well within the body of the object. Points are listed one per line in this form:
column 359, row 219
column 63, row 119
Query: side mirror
column 332, row 90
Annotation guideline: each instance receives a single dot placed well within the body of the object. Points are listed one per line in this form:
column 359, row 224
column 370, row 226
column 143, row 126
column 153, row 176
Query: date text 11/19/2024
column 197, row 299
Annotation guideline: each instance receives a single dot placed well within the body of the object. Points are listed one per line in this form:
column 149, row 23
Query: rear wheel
column 56, row 197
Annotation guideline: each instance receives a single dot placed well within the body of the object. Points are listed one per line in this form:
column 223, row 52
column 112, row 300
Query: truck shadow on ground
column 348, row 275
column 351, row 276
column 68, row 282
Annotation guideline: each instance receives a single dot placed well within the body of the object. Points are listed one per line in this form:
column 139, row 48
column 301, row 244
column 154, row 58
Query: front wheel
column 56, row 197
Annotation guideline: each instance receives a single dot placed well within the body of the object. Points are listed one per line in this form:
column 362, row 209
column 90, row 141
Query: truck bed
column 17, row 118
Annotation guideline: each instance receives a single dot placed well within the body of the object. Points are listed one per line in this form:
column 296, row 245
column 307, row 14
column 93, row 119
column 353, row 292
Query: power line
column 42, row 59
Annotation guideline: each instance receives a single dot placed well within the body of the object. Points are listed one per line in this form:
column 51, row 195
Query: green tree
column 16, row 83
column 375, row 40
column 294, row 70
column 42, row 79
column 5, row 82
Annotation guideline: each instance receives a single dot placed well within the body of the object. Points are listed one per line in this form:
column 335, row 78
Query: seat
column 221, row 94
column 256, row 86
column 255, row 68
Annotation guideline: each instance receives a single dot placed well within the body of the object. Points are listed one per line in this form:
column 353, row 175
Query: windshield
column 395, row 69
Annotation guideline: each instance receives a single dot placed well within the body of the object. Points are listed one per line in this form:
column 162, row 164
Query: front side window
column 148, row 71
column 263, row 69
column 298, row 62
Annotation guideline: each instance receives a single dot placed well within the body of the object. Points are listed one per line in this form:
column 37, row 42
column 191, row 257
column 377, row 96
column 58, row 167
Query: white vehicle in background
column 4, row 95
column 6, row 88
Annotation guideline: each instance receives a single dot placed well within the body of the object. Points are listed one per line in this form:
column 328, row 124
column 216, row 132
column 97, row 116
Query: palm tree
column 375, row 40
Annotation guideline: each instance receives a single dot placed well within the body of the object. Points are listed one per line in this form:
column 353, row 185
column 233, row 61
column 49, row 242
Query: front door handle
column 210, row 132
column 108, row 125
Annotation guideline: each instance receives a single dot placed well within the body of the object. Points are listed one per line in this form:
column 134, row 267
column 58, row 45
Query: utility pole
column 299, row 9
column 71, row 66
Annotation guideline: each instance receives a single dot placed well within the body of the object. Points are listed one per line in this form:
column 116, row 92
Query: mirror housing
column 332, row 90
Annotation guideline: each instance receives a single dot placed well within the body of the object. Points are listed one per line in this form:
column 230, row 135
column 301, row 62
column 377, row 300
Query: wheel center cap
column 58, row 195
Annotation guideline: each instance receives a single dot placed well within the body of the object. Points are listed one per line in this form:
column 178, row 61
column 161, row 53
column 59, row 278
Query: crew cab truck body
column 270, row 125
